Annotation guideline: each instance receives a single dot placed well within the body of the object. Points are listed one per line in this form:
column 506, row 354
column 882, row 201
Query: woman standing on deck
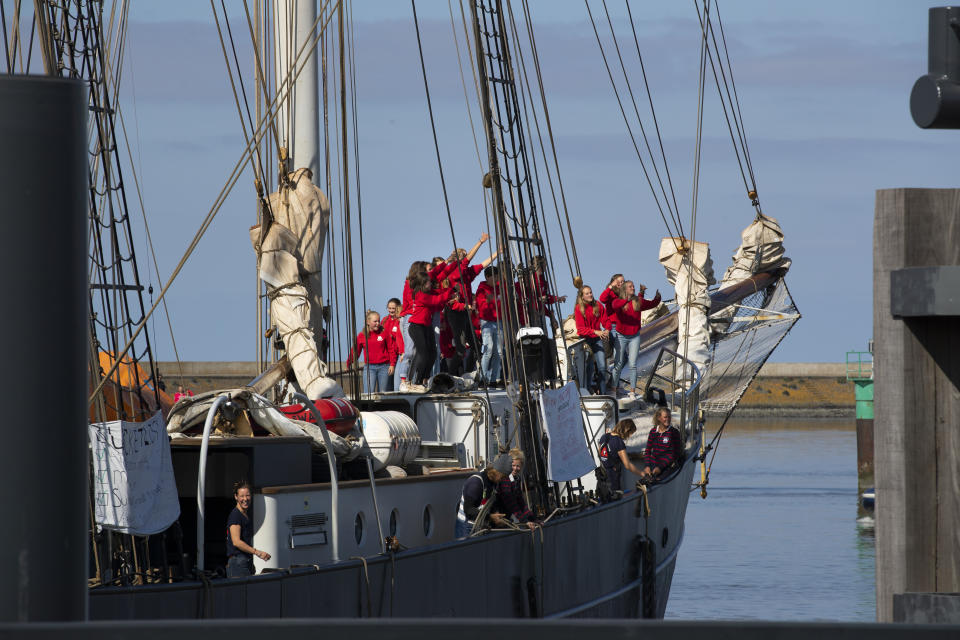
column 240, row 549
column 590, row 318
column 427, row 300
column 613, row 453
column 628, row 307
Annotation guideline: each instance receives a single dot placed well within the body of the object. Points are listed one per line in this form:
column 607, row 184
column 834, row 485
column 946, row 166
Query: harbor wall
column 802, row 389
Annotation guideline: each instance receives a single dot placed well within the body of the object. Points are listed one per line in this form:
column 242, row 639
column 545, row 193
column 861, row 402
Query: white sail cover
column 289, row 255
column 690, row 270
column 191, row 412
column 133, row 487
column 760, row 250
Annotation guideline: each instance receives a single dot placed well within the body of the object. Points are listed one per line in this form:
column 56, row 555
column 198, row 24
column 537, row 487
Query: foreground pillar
column 43, row 337
column 916, row 330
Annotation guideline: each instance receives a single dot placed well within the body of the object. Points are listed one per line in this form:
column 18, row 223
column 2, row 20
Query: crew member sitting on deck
column 613, row 453
column 240, row 549
column 510, row 498
column 381, row 357
column 478, row 490
column 664, row 446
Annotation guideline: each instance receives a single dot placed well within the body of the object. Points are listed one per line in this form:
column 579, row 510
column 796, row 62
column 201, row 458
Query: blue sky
column 824, row 89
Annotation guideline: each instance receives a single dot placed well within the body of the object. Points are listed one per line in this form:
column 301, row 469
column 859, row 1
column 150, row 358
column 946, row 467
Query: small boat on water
column 355, row 499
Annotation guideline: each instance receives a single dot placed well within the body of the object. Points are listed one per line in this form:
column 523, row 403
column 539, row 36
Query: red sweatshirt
column 628, row 320
column 537, row 289
column 392, row 327
column 379, row 350
column 426, row 304
column 407, row 307
column 486, row 302
column 445, row 340
column 588, row 325
column 462, row 284
column 606, row 299
column 437, row 274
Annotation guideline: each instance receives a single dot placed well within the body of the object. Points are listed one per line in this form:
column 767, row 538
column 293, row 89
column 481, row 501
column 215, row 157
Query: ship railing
column 202, row 478
column 679, row 380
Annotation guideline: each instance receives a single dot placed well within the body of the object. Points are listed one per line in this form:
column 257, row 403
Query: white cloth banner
column 568, row 456
column 133, row 485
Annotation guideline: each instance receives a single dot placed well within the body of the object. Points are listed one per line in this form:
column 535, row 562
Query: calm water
column 778, row 536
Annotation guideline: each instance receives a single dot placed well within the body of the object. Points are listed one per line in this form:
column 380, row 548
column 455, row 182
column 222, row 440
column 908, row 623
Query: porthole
column 664, row 538
column 393, row 522
column 358, row 527
column 428, row 521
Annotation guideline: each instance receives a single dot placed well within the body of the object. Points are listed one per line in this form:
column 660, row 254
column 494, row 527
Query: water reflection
column 778, row 536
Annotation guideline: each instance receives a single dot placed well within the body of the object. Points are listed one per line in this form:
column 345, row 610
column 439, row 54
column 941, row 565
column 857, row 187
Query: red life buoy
column 338, row 414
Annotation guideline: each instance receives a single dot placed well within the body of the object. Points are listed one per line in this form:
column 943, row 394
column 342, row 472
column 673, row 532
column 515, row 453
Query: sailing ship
column 354, row 499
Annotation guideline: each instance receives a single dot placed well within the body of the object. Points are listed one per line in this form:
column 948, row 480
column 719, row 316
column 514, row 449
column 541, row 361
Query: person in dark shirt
column 510, row 499
column 480, row 488
column 664, row 445
column 613, row 453
column 240, row 549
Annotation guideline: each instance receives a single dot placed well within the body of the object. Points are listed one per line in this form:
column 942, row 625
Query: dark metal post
column 935, row 99
column 43, row 460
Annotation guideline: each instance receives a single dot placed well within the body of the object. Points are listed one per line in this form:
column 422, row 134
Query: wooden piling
column 917, row 397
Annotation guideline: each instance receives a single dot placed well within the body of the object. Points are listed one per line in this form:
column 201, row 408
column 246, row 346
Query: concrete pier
column 916, row 330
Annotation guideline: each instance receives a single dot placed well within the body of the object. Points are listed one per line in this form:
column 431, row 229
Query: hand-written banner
column 133, row 486
column 568, row 456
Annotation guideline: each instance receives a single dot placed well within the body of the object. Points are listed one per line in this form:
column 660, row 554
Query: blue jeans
column 490, row 362
column 462, row 529
column 628, row 348
column 615, row 341
column 598, row 362
column 409, row 350
column 375, row 377
column 239, row 565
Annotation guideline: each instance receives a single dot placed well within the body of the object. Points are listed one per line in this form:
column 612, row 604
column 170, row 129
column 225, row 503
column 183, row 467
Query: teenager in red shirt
column 458, row 312
column 627, row 307
column 590, row 318
column 427, row 300
column 391, row 324
column 534, row 293
column 488, row 314
column 381, row 358
column 611, row 344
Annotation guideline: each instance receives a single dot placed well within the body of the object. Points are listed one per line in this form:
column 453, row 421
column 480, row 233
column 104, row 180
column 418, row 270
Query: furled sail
column 289, row 246
column 690, row 271
column 760, row 250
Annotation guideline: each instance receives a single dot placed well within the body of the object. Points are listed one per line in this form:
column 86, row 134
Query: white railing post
column 331, row 460
column 202, row 477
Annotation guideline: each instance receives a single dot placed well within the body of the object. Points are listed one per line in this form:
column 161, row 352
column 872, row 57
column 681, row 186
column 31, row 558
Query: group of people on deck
column 611, row 326
column 503, row 483
column 443, row 323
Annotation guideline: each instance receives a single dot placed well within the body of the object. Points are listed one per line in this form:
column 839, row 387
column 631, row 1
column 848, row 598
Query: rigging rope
column 653, row 112
column 706, row 27
column 676, row 230
column 231, row 181
column 643, row 131
column 553, row 146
